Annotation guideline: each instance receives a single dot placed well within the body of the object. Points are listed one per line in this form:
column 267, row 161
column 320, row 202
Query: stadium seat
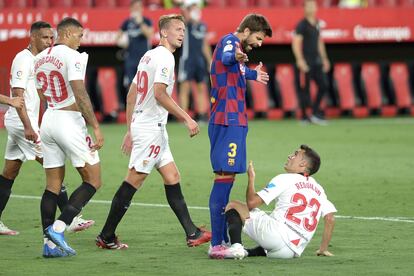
column 123, row 3
column 217, row 3
column 285, row 77
column 280, row 3
column 386, row 3
column 400, row 78
column 240, row 3
column 262, row 3
column 16, row 3
column 343, row 78
column 107, row 83
column 371, row 76
column 105, row 3
column 296, row 3
column 259, row 95
column 406, row 3
column 41, row 3
column 60, row 3
column 82, row 3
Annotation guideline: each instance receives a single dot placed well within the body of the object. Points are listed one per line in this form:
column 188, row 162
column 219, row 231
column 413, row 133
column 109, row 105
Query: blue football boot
column 59, row 240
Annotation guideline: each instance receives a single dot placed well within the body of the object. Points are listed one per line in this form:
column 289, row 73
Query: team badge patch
column 230, row 162
column 228, row 48
column 145, row 163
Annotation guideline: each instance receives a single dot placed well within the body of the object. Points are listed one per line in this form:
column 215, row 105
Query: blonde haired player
column 148, row 103
column 22, row 123
column 59, row 72
column 300, row 202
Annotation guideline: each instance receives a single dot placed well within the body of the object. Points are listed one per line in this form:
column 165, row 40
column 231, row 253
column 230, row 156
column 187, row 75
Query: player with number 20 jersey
column 55, row 67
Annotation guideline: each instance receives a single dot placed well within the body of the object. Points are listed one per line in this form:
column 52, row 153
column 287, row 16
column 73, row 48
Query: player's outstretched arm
column 16, row 102
column 252, row 199
column 160, row 94
column 85, row 107
column 327, row 235
column 29, row 132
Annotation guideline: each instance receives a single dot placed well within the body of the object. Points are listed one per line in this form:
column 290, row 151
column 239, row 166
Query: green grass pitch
column 367, row 171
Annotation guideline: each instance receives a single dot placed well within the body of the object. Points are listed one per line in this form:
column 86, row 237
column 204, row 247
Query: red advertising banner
column 338, row 25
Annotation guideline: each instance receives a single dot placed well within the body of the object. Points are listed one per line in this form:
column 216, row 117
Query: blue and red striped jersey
column 228, row 84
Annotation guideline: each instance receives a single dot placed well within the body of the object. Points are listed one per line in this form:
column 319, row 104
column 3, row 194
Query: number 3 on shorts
column 233, row 150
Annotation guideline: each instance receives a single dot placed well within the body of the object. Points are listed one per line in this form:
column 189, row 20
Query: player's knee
column 172, row 178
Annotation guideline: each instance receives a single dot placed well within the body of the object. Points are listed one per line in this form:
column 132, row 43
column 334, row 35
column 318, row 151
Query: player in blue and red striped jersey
column 228, row 118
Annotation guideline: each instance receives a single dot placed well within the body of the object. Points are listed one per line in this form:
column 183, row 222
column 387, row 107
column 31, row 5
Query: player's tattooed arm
column 327, row 235
column 29, row 132
column 85, row 107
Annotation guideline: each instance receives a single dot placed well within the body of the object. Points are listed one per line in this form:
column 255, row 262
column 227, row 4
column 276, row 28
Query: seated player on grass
column 285, row 233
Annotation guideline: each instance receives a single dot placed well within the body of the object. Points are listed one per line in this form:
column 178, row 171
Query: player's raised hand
column 17, row 102
column 193, row 127
column 240, row 56
column 30, row 134
column 127, row 144
column 262, row 76
column 324, row 253
column 99, row 139
column 250, row 171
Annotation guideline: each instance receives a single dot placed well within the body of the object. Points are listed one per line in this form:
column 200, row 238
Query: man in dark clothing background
column 311, row 63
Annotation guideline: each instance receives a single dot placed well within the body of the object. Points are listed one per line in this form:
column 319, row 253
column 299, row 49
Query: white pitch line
column 393, row 219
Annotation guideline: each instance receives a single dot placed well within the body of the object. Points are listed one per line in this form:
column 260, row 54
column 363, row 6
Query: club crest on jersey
column 230, row 162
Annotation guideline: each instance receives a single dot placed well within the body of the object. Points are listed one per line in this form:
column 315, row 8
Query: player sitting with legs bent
column 300, row 202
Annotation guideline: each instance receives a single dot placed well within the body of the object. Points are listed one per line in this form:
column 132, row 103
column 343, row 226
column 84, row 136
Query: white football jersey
column 301, row 202
column 22, row 76
column 54, row 68
column 156, row 66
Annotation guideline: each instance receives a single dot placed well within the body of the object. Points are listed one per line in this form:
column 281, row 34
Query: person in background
column 135, row 37
column 311, row 63
column 195, row 59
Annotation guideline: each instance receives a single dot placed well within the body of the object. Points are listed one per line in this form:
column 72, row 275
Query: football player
column 60, row 71
column 23, row 141
column 148, row 104
column 300, row 202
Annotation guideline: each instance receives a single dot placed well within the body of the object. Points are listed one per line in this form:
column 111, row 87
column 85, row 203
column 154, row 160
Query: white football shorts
column 64, row 135
column 150, row 149
column 267, row 232
column 18, row 147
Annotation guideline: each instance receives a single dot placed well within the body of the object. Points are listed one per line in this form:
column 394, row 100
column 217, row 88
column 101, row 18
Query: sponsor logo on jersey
column 164, row 72
column 268, row 187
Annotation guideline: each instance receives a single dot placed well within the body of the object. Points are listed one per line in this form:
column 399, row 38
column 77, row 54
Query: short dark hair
column 165, row 20
column 255, row 23
column 314, row 161
column 68, row 22
column 36, row 26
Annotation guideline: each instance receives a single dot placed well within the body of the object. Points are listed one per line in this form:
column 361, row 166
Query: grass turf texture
column 366, row 171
